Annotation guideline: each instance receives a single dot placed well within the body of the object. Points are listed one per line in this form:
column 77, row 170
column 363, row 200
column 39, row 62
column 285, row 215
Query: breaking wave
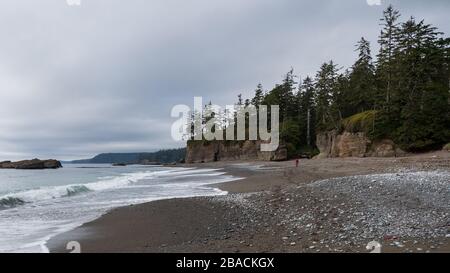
column 75, row 190
column 104, row 183
column 49, row 193
column 10, row 202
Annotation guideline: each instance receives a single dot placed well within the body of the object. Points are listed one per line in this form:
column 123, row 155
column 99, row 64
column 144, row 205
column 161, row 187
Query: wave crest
column 75, row 190
column 10, row 202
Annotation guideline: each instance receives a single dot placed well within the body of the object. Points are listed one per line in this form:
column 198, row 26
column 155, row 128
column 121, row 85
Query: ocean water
column 38, row 204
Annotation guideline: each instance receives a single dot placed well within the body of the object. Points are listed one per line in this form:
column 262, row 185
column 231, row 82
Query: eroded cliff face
column 203, row 152
column 331, row 144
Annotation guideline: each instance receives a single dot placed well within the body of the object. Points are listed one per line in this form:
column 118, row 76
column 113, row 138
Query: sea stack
column 34, row 164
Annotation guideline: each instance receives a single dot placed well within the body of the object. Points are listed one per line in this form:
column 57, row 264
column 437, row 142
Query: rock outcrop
column 203, row 152
column 34, row 164
column 447, row 147
column 331, row 144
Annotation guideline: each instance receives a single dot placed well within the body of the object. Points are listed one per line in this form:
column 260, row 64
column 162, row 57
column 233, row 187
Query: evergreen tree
column 326, row 83
column 388, row 47
column 259, row 96
column 362, row 80
column 408, row 91
column 343, row 99
column 240, row 100
column 286, row 96
column 307, row 110
column 422, row 88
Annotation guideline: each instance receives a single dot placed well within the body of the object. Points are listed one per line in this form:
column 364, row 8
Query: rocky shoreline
column 328, row 205
column 34, row 164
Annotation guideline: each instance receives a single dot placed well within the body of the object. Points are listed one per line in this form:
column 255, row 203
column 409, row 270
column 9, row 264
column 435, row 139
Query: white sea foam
column 47, row 193
column 37, row 214
column 105, row 183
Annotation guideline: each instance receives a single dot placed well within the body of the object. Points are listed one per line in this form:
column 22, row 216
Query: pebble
column 383, row 215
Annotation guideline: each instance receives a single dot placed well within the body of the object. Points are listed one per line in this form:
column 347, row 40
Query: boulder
column 383, row 148
column 148, row 162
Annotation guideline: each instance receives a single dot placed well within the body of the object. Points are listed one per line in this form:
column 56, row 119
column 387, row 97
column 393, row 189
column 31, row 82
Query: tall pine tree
column 388, row 46
column 326, row 83
column 422, row 87
column 307, row 112
column 362, row 80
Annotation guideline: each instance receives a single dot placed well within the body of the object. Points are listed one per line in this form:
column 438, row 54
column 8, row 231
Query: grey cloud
column 103, row 77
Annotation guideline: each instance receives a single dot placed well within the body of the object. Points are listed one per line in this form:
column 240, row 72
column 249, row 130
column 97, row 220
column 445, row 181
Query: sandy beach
column 327, row 205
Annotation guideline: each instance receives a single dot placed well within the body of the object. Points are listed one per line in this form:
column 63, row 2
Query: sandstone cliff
column 331, row 144
column 31, row 164
column 203, row 152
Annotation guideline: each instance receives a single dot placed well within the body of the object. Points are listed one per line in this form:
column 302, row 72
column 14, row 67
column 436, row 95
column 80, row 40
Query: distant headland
column 161, row 157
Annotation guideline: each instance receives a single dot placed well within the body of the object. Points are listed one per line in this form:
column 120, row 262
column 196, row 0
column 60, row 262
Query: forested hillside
column 162, row 156
column 402, row 93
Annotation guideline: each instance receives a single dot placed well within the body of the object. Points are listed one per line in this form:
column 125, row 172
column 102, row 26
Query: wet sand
column 275, row 209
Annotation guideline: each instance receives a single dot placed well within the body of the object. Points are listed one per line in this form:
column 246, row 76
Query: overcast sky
column 103, row 77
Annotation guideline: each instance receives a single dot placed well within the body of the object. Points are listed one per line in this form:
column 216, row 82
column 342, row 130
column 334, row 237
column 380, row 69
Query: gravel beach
column 329, row 205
